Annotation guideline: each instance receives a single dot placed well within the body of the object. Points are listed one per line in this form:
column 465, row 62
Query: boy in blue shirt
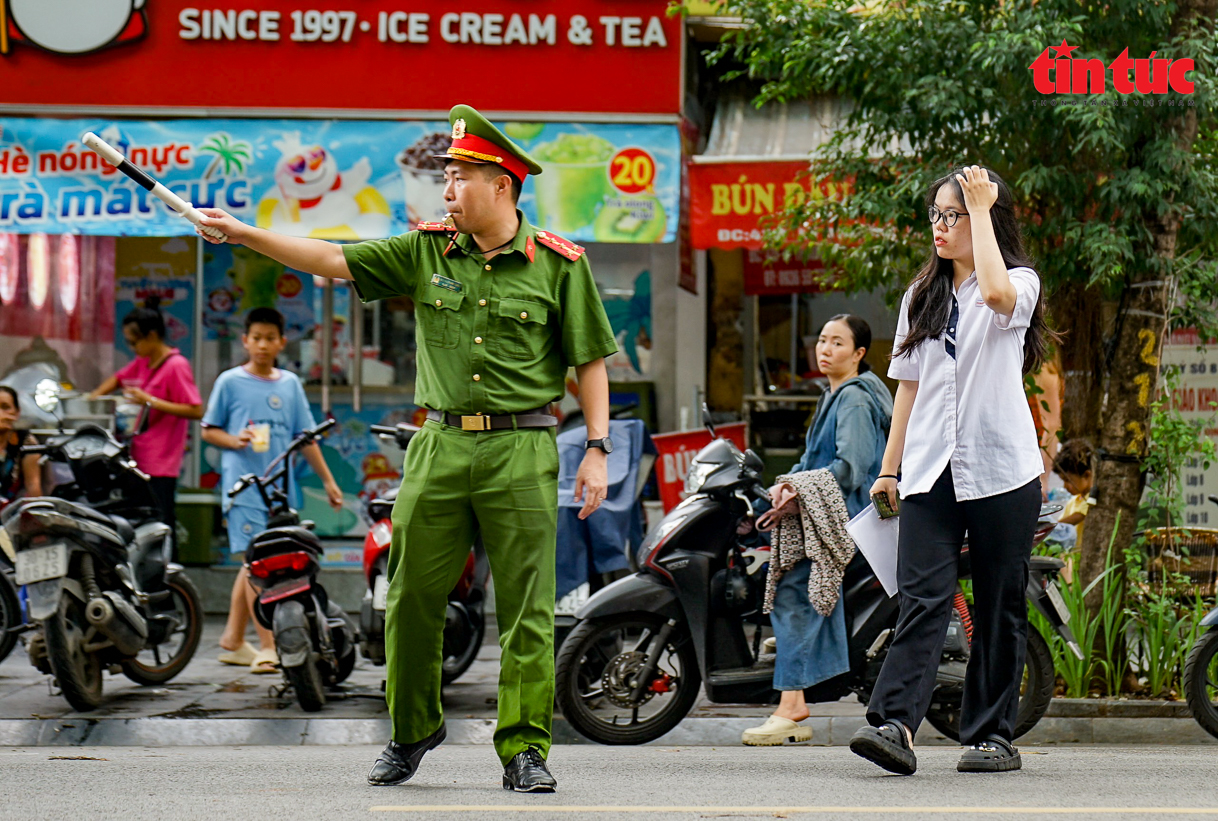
column 253, row 414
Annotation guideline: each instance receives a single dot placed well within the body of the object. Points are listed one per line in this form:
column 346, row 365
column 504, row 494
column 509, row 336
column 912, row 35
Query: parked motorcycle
column 1200, row 680
column 94, row 562
column 633, row 666
column 464, row 619
column 313, row 636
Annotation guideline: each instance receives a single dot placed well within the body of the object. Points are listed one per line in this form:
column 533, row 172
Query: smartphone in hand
column 883, row 506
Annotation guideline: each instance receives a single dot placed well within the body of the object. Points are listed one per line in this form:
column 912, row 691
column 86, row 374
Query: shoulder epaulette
column 556, row 243
column 433, row 226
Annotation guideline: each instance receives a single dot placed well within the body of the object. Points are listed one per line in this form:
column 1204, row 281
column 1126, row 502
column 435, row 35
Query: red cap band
column 476, row 149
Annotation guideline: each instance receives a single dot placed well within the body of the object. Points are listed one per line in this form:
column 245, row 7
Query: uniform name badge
column 445, row 282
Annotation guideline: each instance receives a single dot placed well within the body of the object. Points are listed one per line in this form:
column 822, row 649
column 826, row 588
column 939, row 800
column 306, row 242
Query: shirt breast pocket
column 439, row 318
column 522, row 332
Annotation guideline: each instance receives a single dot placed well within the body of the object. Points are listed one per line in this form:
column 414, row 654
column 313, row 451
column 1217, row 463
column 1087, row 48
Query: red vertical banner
column 687, row 276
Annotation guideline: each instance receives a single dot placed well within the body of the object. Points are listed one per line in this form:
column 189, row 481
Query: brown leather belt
column 537, row 418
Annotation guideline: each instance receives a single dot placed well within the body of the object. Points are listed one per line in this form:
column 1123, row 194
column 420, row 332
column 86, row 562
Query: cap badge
column 459, row 129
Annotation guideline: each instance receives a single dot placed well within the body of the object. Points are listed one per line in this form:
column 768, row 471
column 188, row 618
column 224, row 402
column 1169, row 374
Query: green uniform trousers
column 455, row 483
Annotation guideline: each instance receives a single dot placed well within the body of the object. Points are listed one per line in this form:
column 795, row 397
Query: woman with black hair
column 18, row 472
column 971, row 325
column 159, row 378
column 846, row 437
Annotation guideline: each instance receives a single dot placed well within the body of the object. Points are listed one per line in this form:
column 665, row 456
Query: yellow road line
column 779, row 810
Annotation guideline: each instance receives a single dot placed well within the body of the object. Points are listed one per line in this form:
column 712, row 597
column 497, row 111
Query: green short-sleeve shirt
column 493, row 336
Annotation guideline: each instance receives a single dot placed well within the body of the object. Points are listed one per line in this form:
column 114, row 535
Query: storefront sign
column 768, row 275
column 677, row 450
column 158, row 271
column 728, row 201
column 496, row 55
column 329, row 179
column 1196, row 398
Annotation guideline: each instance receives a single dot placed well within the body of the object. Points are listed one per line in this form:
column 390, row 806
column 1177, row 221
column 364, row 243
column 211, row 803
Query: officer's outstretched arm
column 313, row 256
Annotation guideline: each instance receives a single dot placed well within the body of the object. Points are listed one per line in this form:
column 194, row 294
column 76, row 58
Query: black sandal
column 994, row 755
column 886, row 746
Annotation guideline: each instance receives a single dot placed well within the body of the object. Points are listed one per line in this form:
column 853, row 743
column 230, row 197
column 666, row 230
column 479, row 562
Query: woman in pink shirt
column 160, row 378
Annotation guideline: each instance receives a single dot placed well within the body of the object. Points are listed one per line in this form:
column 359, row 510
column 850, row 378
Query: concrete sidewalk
column 215, row 704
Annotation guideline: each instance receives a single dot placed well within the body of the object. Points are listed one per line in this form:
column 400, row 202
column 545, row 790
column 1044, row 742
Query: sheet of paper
column 877, row 541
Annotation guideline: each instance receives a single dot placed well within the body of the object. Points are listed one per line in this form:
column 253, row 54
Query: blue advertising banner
column 330, row 179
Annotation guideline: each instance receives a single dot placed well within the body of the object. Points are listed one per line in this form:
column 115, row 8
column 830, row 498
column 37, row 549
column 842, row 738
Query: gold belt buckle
column 478, row 422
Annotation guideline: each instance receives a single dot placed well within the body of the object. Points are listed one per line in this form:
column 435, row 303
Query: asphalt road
column 463, row 782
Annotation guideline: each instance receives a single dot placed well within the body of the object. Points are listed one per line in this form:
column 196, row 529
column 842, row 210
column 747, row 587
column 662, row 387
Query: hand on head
column 979, row 193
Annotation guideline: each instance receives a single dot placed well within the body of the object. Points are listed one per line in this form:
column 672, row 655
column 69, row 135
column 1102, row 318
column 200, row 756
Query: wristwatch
column 605, row 444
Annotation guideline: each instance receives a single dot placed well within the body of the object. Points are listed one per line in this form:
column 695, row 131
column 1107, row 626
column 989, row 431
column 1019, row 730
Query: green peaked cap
column 476, row 140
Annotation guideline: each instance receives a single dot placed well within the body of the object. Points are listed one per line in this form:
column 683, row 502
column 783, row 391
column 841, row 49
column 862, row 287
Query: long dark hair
column 931, row 290
column 147, row 319
column 861, row 331
column 12, row 392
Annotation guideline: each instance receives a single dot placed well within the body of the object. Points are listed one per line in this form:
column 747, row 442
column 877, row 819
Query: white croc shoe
column 775, row 732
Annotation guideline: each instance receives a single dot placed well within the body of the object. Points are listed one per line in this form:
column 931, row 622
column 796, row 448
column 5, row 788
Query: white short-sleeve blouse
column 970, row 410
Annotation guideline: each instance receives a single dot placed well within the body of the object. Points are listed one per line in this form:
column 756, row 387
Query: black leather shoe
column 527, row 772
column 399, row 762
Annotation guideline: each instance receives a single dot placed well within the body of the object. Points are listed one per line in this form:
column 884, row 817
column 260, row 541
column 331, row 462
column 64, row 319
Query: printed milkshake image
column 423, row 177
column 575, row 183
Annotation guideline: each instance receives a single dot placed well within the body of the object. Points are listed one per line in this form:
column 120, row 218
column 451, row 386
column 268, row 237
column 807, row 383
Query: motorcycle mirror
column 46, row 395
column 706, row 419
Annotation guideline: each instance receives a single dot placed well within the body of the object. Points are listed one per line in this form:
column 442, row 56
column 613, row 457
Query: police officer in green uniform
column 502, row 310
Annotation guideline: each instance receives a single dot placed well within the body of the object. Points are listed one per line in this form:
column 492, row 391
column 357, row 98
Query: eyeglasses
column 949, row 217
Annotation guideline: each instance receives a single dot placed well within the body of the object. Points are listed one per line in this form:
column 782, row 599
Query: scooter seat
column 1039, row 564
column 125, row 531
column 1046, row 564
column 283, row 539
column 120, row 525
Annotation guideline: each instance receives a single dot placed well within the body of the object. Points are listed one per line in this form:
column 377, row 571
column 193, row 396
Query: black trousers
column 164, row 489
column 1000, row 530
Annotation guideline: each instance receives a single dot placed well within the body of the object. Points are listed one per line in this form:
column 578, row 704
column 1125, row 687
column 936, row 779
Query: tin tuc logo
column 1062, row 74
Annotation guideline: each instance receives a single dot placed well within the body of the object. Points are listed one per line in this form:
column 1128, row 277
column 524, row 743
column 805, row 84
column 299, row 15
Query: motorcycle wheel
column 593, row 671
column 160, row 662
column 1201, row 681
column 10, row 615
column 306, row 681
column 78, row 671
column 455, row 665
column 348, row 640
column 1039, row 679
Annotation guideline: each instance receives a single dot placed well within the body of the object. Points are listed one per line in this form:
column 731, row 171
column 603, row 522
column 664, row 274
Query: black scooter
column 313, row 636
column 633, row 666
column 94, row 562
column 1200, row 680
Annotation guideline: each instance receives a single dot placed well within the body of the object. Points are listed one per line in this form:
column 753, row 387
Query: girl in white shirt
column 971, row 324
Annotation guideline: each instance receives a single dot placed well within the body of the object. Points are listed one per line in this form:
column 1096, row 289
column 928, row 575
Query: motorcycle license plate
column 380, row 592
column 1059, row 604
column 50, row 562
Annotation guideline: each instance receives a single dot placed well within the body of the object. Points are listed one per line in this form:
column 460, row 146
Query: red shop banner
column 768, row 275
column 729, row 200
column 497, row 55
column 677, row 450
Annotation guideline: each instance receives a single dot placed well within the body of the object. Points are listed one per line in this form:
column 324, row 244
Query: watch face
column 605, row 444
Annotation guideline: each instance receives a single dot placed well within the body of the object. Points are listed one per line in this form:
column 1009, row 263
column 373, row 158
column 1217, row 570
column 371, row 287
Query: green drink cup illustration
column 575, row 181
